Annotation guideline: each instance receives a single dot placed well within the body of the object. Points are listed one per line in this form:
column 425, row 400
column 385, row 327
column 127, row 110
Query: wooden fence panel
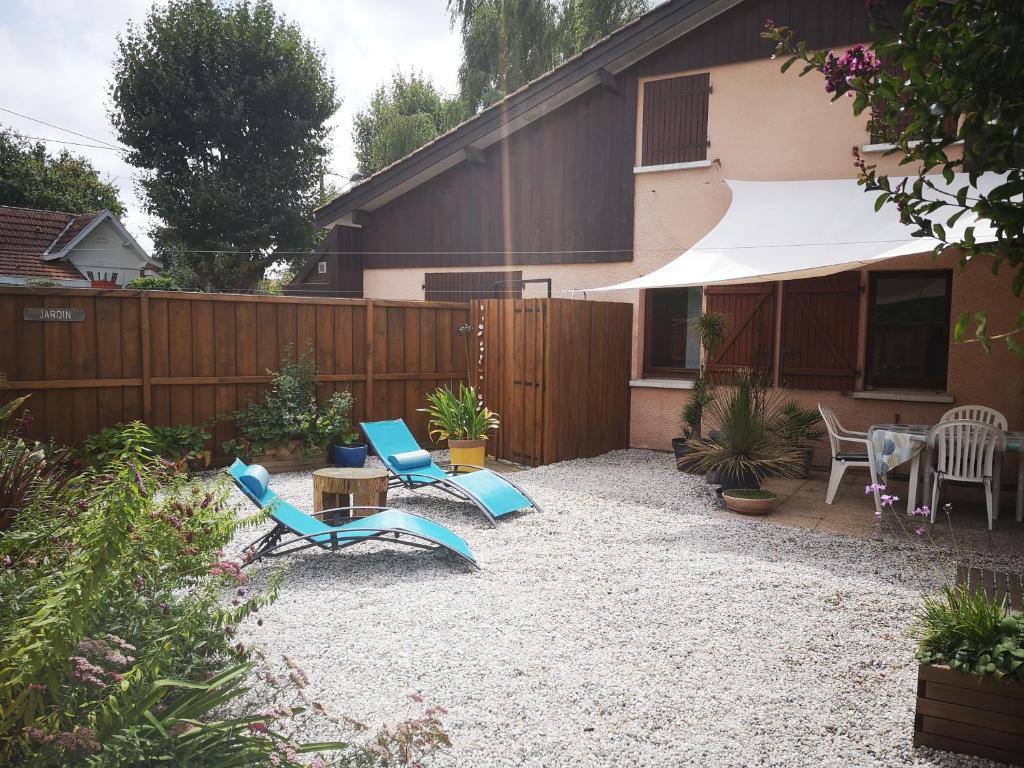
column 557, row 373
column 183, row 358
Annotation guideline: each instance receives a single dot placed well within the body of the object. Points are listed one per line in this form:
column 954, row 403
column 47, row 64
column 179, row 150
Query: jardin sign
column 53, row 314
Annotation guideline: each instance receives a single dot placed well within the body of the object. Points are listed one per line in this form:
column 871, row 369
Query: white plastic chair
column 981, row 413
column 863, row 456
column 965, row 451
column 985, row 415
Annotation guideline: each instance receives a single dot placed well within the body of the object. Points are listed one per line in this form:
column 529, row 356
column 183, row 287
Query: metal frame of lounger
column 271, row 545
column 452, row 488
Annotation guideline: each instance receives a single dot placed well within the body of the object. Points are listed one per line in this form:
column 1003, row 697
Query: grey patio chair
column 965, row 451
column 862, row 455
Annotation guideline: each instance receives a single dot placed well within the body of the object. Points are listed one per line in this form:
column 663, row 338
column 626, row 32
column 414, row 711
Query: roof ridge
column 43, row 210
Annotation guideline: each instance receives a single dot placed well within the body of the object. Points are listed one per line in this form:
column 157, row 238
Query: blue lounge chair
column 410, row 467
column 295, row 530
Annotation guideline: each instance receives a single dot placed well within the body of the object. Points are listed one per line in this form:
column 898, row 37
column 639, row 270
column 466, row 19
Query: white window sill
column 869, row 148
column 907, row 396
column 672, row 166
column 662, row 383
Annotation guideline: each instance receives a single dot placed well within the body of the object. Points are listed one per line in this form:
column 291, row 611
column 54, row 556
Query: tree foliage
column 402, row 116
column 225, row 106
column 952, row 72
column 508, row 43
column 32, row 178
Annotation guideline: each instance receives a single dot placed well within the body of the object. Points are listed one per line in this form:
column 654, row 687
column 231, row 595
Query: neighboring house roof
column 36, row 243
column 588, row 69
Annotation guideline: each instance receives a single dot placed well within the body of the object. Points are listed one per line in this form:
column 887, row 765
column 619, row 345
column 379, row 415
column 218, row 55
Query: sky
column 56, row 58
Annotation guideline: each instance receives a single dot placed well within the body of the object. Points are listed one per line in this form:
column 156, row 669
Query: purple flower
column 919, row 531
column 8, row 562
column 922, row 511
column 840, row 72
column 873, row 488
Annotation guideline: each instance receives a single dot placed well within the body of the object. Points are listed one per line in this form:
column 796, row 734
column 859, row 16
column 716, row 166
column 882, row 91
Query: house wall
column 103, row 251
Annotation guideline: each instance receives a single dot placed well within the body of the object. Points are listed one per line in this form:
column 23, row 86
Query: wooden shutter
column 467, row 286
column 749, row 327
column 675, row 126
column 820, row 321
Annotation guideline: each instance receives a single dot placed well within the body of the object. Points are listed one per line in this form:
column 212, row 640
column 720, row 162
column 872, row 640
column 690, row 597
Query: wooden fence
column 557, row 371
column 182, row 358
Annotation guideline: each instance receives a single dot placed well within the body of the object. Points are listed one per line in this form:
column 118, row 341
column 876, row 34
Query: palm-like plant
column 459, row 417
column 745, row 445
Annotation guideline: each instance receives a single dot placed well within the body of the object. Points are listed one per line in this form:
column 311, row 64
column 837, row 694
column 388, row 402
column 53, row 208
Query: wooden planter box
column 969, row 714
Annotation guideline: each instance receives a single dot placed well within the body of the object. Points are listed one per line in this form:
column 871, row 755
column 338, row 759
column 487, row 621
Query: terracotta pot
column 750, row 506
column 467, row 452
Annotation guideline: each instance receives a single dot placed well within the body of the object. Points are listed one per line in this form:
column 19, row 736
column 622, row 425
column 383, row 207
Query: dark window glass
column 908, row 331
column 671, row 346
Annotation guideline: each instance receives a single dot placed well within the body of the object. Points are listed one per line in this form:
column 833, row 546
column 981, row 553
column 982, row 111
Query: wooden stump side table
column 333, row 487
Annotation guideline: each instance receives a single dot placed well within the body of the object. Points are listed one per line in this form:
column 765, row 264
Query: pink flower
column 922, row 511
column 919, row 531
column 258, row 727
column 874, row 487
column 840, row 72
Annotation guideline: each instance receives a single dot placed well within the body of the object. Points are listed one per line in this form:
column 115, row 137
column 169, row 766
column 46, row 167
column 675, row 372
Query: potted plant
column 709, row 329
column 334, row 427
column 743, row 451
column 971, row 675
column 799, row 428
column 462, row 420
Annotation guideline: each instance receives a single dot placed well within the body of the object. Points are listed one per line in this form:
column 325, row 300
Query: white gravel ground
column 632, row 623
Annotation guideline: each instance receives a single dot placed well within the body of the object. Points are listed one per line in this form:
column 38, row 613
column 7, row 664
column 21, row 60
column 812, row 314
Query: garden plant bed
column 969, row 714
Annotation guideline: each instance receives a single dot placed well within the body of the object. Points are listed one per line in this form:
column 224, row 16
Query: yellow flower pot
column 467, row 452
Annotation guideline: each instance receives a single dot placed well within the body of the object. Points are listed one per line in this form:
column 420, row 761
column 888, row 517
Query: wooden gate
column 557, row 373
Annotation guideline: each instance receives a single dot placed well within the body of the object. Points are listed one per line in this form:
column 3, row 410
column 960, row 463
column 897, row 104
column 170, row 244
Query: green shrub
column 289, row 412
column 183, row 445
column 970, row 632
column 153, row 283
column 117, row 629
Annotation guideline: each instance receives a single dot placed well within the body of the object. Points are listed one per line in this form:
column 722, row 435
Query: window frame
column 661, row 372
column 648, row 120
column 872, row 382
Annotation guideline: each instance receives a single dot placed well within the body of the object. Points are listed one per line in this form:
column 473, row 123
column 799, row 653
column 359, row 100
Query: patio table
column 895, row 444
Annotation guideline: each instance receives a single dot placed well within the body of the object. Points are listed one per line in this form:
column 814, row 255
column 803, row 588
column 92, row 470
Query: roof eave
column 550, row 91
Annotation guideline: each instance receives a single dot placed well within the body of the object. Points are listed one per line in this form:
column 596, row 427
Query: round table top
column 351, row 473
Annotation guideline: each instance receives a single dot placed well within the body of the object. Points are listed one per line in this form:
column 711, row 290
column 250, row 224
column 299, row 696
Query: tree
column 225, row 106
column 952, row 72
column 402, row 116
column 32, row 178
column 508, row 43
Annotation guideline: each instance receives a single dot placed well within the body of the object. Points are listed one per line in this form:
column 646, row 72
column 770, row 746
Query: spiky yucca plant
column 744, row 443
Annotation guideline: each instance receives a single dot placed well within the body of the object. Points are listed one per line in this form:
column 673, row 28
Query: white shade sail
column 781, row 230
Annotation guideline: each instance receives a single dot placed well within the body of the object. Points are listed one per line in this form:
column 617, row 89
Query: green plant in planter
column 744, row 452
column 334, row 421
column 709, row 328
column 459, row 416
column 289, row 412
column 800, row 428
column 701, row 397
column 970, row 632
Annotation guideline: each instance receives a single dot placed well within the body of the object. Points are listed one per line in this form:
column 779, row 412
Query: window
column 466, row 286
column 321, row 267
column 671, row 349
column 675, row 128
column 908, row 330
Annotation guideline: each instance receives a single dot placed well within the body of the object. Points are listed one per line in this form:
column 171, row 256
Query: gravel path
column 632, row 623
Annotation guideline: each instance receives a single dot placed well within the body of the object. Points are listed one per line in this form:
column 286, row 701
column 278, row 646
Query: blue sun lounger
column 295, row 530
column 410, row 467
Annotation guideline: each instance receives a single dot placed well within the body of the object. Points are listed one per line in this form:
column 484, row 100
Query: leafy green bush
column 183, row 445
column 289, row 412
column 117, row 630
column 153, row 283
column 970, row 632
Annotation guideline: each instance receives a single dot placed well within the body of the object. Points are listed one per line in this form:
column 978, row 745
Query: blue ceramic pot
column 348, row 455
